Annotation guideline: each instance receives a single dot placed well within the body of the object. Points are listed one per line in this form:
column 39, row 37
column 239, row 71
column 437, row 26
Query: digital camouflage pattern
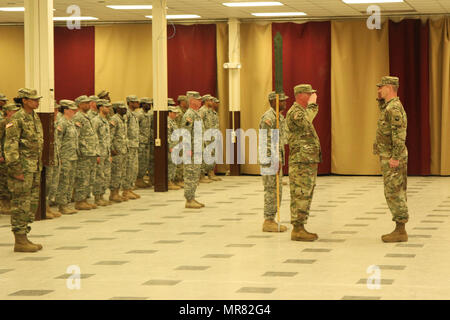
column 4, row 192
column 144, row 119
column 172, row 167
column 302, row 180
column 119, row 148
column 132, row 164
column 179, row 120
column 102, row 129
column 23, row 151
column 390, row 143
column 52, row 172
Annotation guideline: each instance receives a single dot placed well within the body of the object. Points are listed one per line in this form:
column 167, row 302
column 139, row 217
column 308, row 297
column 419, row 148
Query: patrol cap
column 174, row 109
column 102, row 94
column 207, row 97
column 146, row 100
column 69, row 104
column 94, row 98
column 82, row 99
column 193, row 94
column 170, row 102
column 119, row 104
column 132, row 98
column 28, row 93
column 395, row 81
column 3, row 97
column 182, row 98
column 273, row 96
column 12, row 107
column 102, row 103
column 304, row 88
column 216, row 100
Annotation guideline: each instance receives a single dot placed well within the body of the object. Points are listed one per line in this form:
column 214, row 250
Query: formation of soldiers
column 101, row 145
column 298, row 131
column 98, row 145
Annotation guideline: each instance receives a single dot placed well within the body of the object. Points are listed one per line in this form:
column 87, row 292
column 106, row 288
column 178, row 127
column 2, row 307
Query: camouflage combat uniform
column 172, row 167
column 52, row 172
column 88, row 153
column 118, row 131
column 390, row 143
column 102, row 129
column 132, row 161
column 144, row 119
column 4, row 192
column 269, row 122
column 304, row 156
column 68, row 140
column 180, row 167
column 23, row 152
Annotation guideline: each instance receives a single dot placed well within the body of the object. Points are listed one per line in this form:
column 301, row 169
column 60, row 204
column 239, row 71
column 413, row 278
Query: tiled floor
column 154, row 248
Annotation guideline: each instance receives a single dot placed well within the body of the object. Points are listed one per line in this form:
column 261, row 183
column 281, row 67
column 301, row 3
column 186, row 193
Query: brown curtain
column 359, row 58
column 12, row 57
column 440, row 96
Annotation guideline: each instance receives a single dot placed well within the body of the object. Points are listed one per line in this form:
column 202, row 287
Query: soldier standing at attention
column 144, row 142
column 132, row 163
column 88, row 157
column 101, row 128
column 23, row 154
column 390, row 145
column 67, row 136
column 192, row 169
column 3, row 101
column 119, row 149
column 269, row 122
column 5, row 196
column 305, row 155
column 205, row 113
column 214, row 118
column 171, row 127
column 93, row 107
column 182, row 108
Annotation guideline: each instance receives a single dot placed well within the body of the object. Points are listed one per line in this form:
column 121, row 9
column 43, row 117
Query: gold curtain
column 123, row 60
column 12, row 57
column 440, row 96
column 222, row 85
column 359, row 58
column 256, row 79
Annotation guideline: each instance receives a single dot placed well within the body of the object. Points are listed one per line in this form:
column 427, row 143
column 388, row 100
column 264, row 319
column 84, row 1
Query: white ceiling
column 213, row 9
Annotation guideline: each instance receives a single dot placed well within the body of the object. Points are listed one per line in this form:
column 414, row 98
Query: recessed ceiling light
column 253, row 4
column 370, row 1
column 74, row 18
column 131, row 7
column 178, row 16
column 12, row 9
column 279, row 14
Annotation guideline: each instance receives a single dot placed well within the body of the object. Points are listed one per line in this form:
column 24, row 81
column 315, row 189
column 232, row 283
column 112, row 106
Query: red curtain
column 74, row 62
column 191, row 56
column 408, row 59
column 307, row 59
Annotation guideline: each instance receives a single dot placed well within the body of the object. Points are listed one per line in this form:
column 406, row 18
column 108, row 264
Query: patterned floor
column 154, row 248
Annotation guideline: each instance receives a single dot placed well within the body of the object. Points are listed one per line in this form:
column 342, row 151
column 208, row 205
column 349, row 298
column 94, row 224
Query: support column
column 160, row 92
column 234, row 57
column 39, row 75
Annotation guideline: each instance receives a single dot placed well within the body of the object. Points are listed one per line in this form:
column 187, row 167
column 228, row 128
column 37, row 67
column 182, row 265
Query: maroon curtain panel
column 192, row 62
column 307, row 59
column 408, row 60
column 74, row 62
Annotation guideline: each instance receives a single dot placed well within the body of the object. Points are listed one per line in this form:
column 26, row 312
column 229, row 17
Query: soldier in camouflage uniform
column 182, row 108
column 192, row 121
column 144, row 118
column 101, row 128
column 171, row 127
column 206, row 115
column 268, row 122
column 390, row 145
column 215, row 124
column 88, row 156
column 93, row 107
column 23, row 154
column 104, row 95
column 3, row 101
column 151, row 167
column 132, row 164
column 52, row 172
column 119, row 149
column 5, row 196
column 67, row 136
column 305, row 155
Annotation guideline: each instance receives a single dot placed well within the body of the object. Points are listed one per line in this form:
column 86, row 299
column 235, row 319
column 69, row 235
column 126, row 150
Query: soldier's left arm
column 11, row 149
column 398, row 128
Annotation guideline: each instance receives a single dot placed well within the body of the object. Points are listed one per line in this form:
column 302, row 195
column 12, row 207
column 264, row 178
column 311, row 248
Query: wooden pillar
column 39, row 75
column 160, row 92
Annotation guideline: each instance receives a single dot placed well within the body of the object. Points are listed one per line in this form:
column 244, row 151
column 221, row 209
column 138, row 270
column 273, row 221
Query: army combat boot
column 92, row 205
column 134, row 194
column 82, row 205
column 300, row 234
column 140, row 183
column 128, row 195
column 212, row 176
column 173, row 186
column 114, row 196
column 100, row 202
column 271, row 226
column 23, row 245
column 107, row 203
column 398, row 235
column 204, row 180
column 199, row 203
column 192, row 204
column 64, row 209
